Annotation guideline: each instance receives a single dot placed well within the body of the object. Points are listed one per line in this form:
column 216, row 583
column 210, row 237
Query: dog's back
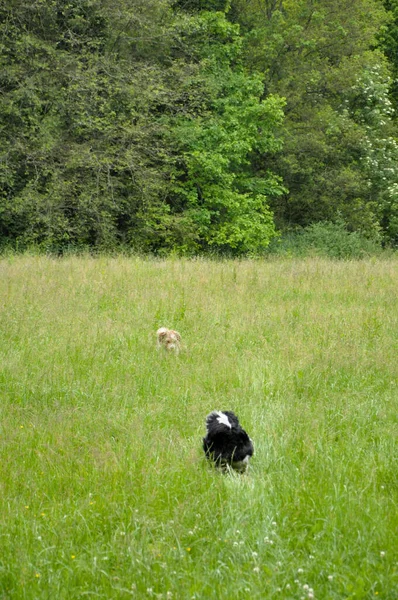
column 226, row 443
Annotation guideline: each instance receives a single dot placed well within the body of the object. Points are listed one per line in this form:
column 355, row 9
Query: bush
column 326, row 239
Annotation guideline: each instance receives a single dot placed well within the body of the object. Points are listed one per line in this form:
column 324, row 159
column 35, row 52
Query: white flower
column 382, row 554
column 254, row 554
column 300, row 570
column 330, row 577
column 306, row 587
column 256, row 569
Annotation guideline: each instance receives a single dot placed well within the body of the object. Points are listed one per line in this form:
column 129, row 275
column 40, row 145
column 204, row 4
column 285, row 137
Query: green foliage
column 215, row 183
column 326, row 239
column 195, row 126
column 321, row 56
column 96, row 107
column 388, row 40
column 198, row 5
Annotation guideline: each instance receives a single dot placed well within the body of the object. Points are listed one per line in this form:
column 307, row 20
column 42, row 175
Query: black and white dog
column 226, row 443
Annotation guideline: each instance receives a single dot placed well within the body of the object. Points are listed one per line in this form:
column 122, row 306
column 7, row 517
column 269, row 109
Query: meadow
column 104, row 488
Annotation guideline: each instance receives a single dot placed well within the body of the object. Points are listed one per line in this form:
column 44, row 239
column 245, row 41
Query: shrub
column 326, row 239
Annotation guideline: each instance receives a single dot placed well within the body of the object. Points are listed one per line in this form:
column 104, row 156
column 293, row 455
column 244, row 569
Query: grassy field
column 104, row 489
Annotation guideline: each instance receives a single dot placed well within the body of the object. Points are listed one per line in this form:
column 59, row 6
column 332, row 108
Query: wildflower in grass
column 288, row 586
column 73, row 557
column 254, row 554
column 330, row 577
column 382, row 554
column 310, row 595
column 306, row 587
column 273, row 523
column 21, row 426
column 27, row 506
column 256, row 569
column 43, row 514
column 188, row 549
column 299, row 571
column 37, row 575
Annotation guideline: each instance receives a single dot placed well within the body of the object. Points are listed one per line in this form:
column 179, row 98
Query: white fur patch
column 222, row 418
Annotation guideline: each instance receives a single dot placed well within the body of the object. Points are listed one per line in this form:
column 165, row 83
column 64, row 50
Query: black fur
column 227, row 445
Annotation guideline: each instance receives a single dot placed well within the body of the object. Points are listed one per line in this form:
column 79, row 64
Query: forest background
column 198, row 126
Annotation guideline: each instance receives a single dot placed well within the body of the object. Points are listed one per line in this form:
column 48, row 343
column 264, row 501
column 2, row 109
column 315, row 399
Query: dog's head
column 226, row 443
column 168, row 338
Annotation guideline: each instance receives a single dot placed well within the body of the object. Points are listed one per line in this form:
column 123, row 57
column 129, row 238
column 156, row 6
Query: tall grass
column 104, row 491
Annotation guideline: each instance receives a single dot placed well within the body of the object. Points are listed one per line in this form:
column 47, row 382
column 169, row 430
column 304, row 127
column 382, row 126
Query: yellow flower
column 188, row 549
column 37, row 575
column 73, row 557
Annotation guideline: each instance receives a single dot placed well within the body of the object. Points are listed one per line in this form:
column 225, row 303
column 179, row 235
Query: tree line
column 195, row 126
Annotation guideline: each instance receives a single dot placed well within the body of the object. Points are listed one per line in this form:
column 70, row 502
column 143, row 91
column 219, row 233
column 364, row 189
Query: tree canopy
column 197, row 125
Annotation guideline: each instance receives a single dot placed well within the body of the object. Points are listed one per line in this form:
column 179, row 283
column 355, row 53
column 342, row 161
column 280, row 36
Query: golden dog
column 169, row 339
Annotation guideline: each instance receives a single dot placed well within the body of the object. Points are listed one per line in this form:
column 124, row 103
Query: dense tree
column 195, row 125
column 320, row 56
column 130, row 124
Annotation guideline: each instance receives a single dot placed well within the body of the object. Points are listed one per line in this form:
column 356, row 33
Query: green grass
column 104, row 490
